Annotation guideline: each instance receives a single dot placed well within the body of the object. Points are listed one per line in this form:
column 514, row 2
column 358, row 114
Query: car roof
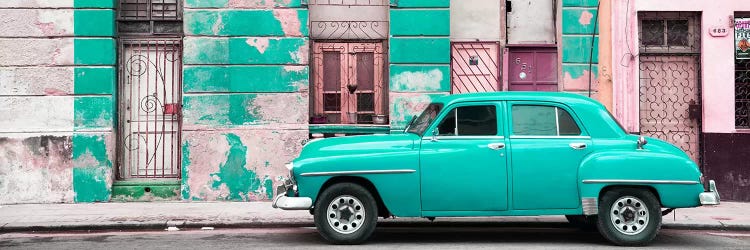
column 515, row 96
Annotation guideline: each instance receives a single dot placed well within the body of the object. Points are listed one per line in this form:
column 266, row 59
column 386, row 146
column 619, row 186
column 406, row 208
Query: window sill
column 349, row 129
column 742, row 131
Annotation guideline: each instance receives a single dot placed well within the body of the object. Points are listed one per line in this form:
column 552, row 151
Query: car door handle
column 578, row 145
column 496, row 146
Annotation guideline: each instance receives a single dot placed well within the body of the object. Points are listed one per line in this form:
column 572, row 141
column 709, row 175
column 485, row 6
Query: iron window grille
column 741, row 84
column 150, row 17
column 669, row 32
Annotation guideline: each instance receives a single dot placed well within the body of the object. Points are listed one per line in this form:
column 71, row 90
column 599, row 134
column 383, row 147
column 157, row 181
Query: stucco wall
column 56, row 85
column 473, row 20
column 419, row 57
column 245, row 96
column 717, row 71
column 579, row 66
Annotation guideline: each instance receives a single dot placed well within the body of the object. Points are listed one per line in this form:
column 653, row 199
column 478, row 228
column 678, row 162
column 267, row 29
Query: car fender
column 674, row 178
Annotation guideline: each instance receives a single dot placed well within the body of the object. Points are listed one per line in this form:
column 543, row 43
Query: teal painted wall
column 578, row 22
column 419, row 57
column 95, row 78
column 245, row 87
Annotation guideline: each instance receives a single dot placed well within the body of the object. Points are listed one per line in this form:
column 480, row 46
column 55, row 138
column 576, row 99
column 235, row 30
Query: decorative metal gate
column 348, row 82
column 670, row 96
column 474, row 67
column 150, row 84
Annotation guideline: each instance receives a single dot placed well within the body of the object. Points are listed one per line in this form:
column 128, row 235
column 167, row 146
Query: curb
column 183, row 224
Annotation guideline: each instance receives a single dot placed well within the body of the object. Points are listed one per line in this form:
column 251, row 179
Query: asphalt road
column 384, row 238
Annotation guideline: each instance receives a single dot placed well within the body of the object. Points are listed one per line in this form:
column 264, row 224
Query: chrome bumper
column 292, row 203
column 712, row 196
column 285, row 202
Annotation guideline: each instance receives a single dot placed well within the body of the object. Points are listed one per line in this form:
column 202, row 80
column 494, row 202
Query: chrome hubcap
column 629, row 215
column 345, row 214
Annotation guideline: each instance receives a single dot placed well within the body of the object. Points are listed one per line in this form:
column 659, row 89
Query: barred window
column 150, row 17
column 742, row 72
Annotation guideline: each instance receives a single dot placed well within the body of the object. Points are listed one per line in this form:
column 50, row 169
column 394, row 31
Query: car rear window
column 540, row 120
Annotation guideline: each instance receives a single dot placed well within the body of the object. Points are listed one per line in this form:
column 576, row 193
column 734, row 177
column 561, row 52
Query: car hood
column 362, row 144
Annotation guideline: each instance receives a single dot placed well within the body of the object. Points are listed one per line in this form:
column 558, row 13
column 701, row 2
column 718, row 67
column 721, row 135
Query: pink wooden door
column 348, row 79
column 474, row 67
column 532, row 69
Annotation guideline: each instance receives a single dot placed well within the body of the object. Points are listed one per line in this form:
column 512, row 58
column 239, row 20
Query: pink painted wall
column 717, row 65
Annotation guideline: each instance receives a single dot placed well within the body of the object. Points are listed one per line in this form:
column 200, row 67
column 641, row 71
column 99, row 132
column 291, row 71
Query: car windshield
column 419, row 125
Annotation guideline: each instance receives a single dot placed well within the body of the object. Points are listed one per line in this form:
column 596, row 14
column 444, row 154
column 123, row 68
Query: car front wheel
column 346, row 213
column 629, row 216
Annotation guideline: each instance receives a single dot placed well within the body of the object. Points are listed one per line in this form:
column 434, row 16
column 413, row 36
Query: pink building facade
column 679, row 73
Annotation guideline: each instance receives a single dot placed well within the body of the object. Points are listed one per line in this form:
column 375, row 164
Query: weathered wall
column 717, row 72
column 56, row 85
column 246, row 100
column 578, row 22
column 724, row 148
column 472, row 20
column 419, row 57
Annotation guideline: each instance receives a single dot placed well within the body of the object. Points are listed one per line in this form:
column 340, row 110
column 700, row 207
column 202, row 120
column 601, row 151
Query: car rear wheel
column 629, row 216
column 346, row 213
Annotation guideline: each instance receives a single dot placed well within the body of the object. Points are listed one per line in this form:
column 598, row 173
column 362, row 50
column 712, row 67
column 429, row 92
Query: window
column 543, row 121
column 424, row 120
column 348, row 79
column 669, row 32
column 150, row 17
column 742, row 72
column 469, row 120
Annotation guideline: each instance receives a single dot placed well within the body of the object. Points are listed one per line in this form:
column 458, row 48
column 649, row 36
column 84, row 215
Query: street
column 384, row 238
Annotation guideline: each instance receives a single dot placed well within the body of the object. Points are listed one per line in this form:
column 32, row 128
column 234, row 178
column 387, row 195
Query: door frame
column 122, row 103
column 506, row 61
column 381, row 106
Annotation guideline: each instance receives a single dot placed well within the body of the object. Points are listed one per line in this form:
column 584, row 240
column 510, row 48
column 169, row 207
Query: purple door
column 532, row 69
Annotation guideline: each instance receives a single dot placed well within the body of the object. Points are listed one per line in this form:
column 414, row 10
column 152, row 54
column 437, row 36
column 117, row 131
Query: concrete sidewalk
column 160, row 215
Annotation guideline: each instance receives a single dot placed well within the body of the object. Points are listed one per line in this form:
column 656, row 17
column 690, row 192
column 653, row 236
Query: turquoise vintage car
column 497, row 154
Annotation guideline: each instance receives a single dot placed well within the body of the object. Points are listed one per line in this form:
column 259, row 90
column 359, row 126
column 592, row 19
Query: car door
column 463, row 164
column 547, row 144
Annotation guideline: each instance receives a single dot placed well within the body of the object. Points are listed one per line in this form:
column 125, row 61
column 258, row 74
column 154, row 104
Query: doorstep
column 146, row 190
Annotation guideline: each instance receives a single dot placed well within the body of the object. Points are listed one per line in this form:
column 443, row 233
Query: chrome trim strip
column 471, row 137
column 550, row 137
column 395, row 171
column 641, row 181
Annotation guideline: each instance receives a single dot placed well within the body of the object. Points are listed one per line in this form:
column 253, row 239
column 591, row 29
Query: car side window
column 469, row 121
column 539, row 120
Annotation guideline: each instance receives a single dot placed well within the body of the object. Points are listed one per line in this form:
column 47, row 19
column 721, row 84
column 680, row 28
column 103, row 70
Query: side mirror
column 641, row 142
column 435, row 133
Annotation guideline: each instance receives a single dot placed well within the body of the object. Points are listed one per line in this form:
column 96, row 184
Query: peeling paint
column 290, row 21
column 92, row 167
column 219, row 160
column 185, row 186
column 581, row 82
column 301, row 55
column 218, row 25
column 586, row 17
column 280, row 108
column 267, row 4
column 418, row 80
column 260, row 43
column 36, row 169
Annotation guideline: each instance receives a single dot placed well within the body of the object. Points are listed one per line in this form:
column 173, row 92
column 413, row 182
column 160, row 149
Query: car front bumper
column 712, row 196
column 286, row 202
